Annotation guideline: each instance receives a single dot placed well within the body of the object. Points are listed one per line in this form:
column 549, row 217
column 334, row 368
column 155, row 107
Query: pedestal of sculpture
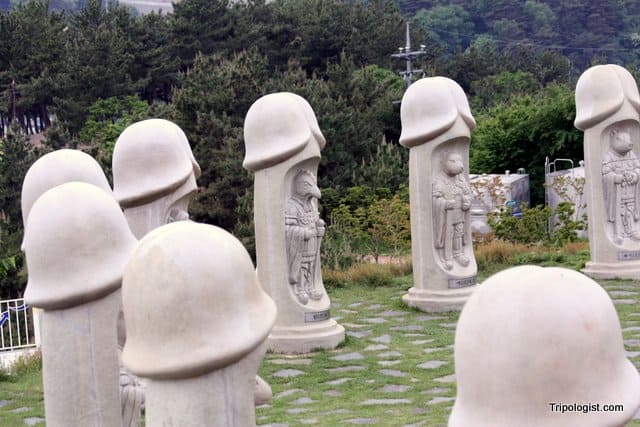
column 607, row 105
column 531, row 339
column 76, row 243
column 200, row 364
column 283, row 143
column 436, row 127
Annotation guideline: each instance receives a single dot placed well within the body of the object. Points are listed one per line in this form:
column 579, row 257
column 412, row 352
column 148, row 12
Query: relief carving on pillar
column 620, row 175
column 304, row 230
column 451, row 204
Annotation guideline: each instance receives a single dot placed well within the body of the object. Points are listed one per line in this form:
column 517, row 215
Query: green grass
column 23, row 389
column 332, row 404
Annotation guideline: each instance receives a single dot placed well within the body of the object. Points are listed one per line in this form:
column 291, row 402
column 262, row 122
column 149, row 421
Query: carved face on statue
column 621, row 141
column 453, row 164
column 305, row 187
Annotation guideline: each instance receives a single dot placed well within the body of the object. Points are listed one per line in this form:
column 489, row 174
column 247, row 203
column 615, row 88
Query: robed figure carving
column 620, row 174
column 451, row 204
column 304, row 230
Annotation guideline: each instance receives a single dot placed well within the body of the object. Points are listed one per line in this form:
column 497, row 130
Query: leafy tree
column 16, row 156
column 107, row 119
column 99, row 62
column 523, row 132
column 498, row 89
column 210, row 106
column 447, row 26
column 31, row 57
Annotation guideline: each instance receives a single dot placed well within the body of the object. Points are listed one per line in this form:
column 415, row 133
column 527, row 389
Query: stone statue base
column 613, row 270
column 438, row 301
column 325, row 335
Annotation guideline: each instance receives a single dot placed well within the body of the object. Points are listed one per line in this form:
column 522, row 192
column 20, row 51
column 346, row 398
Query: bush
column 363, row 274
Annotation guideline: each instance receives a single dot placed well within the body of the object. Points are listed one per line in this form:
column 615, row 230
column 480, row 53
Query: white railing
column 17, row 326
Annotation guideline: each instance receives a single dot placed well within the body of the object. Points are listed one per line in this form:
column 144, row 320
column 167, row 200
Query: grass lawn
column 395, row 368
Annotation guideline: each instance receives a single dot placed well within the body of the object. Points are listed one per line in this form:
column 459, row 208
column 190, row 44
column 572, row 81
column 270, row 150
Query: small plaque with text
column 317, row 316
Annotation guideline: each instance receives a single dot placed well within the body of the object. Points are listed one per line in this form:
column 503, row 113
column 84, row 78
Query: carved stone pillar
column 197, row 320
column 77, row 242
column 607, row 105
column 153, row 190
column 283, row 143
column 436, row 127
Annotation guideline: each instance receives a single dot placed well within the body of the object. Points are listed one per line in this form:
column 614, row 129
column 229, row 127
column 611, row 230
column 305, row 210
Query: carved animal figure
column 304, row 230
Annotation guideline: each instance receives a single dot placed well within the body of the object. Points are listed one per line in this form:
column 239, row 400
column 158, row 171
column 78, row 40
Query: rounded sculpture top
column 56, row 168
column 76, row 243
column 531, row 336
column 151, row 158
column 277, row 127
column 430, row 107
column 601, row 91
column 192, row 302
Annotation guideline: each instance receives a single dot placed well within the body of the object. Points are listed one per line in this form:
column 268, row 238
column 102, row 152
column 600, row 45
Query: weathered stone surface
column 390, row 354
column 383, row 339
column 303, row 362
column 362, row 421
column 374, row 320
column 32, row 421
column 345, row 369
column 288, row 393
column 376, row 347
column 391, row 313
column 282, row 147
column 288, row 373
column 338, row 381
column 348, row 357
column 302, row 401
column 407, row 328
column 393, row 373
column 388, row 362
column 394, row 388
column 440, row 399
column 444, row 266
column 607, row 112
column 359, row 334
column 436, row 390
column 446, row 379
column 432, row 364
column 386, row 402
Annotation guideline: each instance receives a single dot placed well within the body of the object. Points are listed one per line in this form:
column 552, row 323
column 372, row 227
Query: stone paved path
column 397, row 364
column 395, row 369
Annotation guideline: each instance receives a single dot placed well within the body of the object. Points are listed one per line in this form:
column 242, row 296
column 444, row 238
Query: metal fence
column 17, row 328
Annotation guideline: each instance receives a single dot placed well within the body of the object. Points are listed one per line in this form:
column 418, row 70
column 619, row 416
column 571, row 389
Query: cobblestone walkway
column 396, row 368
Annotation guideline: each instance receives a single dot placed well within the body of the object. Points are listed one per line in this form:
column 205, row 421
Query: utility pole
column 409, row 56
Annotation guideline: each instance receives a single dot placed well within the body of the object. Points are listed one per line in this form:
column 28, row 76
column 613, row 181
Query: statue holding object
column 304, row 231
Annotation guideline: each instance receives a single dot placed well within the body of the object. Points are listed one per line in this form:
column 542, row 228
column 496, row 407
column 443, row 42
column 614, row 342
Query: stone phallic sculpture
column 304, row 231
column 200, row 340
column 531, row 339
column 436, row 127
column 154, row 174
column 154, row 179
column 607, row 110
column 56, row 168
column 76, row 244
column 283, row 143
